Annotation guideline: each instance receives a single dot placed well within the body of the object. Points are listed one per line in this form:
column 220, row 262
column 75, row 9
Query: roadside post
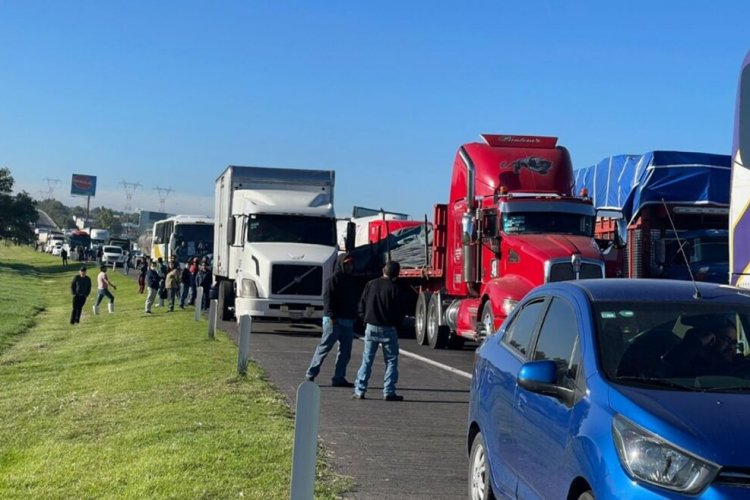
column 244, row 352
column 198, row 302
column 305, row 441
column 212, row 314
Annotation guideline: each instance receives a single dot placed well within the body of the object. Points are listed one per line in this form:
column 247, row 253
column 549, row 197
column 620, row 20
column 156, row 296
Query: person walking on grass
column 103, row 284
column 382, row 310
column 64, row 255
column 80, row 288
column 152, row 280
column 173, row 284
column 184, row 285
column 340, row 300
column 142, row 270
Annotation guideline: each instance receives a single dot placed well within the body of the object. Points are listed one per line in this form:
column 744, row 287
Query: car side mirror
column 540, row 377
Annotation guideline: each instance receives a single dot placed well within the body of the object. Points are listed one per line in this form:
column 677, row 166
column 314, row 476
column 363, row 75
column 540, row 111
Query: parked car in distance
column 614, row 388
column 112, row 254
column 57, row 250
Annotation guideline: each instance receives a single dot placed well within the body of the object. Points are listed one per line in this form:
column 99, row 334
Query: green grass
column 129, row 405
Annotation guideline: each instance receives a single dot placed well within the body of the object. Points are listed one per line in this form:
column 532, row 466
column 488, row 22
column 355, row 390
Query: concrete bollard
column 198, row 303
column 305, row 441
column 213, row 309
column 246, row 323
column 114, row 266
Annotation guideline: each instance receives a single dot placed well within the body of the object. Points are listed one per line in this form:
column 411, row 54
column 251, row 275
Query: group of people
column 164, row 282
column 170, row 281
column 381, row 309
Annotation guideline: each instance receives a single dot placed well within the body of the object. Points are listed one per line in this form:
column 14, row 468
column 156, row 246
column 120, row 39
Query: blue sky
column 169, row 93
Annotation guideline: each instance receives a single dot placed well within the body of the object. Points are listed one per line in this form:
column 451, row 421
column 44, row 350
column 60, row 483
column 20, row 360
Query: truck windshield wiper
column 656, row 381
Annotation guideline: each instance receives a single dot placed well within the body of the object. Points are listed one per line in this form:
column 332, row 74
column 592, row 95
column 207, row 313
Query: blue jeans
column 101, row 293
column 388, row 338
column 185, row 288
column 341, row 331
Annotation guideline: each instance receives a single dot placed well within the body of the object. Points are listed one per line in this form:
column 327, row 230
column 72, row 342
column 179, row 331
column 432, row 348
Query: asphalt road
column 415, row 449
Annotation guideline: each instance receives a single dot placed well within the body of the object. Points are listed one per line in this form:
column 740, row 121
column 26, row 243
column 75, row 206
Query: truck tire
column 437, row 336
column 420, row 317
column 488, row 318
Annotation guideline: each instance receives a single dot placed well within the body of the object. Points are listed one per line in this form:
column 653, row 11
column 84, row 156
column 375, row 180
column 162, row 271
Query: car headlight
column 647, row 457
column 509, row 305
column 248, row 288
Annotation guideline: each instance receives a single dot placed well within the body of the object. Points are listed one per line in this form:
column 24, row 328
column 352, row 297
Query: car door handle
column 521, row 403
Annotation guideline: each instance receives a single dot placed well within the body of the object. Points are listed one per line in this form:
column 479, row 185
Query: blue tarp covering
column 630, row 182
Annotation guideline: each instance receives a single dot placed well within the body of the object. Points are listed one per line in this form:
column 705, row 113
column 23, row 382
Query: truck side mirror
column 467, row 227
column 621, row 233
column 351, row 235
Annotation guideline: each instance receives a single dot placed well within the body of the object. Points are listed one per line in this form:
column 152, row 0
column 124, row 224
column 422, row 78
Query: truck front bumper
column 279, row 308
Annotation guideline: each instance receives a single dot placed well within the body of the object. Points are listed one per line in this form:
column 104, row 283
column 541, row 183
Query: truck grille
column 290, row 279
column 563, row 271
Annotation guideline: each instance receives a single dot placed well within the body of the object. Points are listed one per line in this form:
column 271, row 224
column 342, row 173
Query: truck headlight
column 509, row 305
column 248, row 288
column 647, row 457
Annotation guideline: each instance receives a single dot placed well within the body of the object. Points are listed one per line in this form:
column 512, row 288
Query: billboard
column 83, row 185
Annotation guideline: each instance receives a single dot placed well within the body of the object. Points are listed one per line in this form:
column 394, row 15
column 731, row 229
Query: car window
column 522, row 328
column 558, row 341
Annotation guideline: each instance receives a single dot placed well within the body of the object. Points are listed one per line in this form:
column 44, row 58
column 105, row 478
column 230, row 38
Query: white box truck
column 274, row 241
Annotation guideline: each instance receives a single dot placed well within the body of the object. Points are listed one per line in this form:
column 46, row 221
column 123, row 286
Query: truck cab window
column 548, row 222
column 266, row 228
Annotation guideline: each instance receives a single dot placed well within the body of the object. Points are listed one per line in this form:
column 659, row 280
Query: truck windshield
column 548, row 222
column 291, row 229
column 698, row 250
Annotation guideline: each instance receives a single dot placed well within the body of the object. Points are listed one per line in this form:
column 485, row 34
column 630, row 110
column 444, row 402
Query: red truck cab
column 511, row 223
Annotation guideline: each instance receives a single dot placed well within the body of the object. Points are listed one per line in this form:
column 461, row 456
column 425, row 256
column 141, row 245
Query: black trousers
column 78, row 302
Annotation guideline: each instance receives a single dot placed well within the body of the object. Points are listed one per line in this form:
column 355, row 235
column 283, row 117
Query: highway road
column 415, row 449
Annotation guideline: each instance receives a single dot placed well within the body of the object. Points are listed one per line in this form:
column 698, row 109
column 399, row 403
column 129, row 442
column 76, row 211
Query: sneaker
column 358, row 395
column 393, row 397
column 341, row 383
column 149, row 312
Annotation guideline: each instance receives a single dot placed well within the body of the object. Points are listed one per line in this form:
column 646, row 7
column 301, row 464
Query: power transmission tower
column 51, row 184
column 130, row 188
column 163, row 193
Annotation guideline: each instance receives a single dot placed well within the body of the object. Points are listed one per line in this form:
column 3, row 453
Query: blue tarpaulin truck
column 691, row 189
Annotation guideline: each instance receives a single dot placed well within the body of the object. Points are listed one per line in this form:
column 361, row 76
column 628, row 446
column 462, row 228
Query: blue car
column 614, row 389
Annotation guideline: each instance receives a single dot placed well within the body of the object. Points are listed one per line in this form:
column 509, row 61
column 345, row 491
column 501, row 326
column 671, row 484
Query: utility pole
column 51, row 184
column 130, row 188
column 163, row 193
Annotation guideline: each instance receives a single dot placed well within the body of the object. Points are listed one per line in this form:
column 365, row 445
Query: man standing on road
column 103, row 284
column 340, row 300
column 382, row 311
column 80, row 288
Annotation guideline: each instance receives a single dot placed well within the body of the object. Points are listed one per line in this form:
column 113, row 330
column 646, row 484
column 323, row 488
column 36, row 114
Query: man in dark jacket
column 153, row 281
column 80, row 288
column 340, row 300
column 382, row 310
column 204, row 279
column 184, row 285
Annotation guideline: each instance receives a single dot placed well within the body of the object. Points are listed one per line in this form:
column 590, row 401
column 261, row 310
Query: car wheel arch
column 578, row 487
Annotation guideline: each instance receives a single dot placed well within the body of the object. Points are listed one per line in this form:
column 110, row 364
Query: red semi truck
column 511, row 223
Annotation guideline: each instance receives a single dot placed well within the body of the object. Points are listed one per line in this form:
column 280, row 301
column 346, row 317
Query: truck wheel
column 420, row 318
column 488, row 318
column 437, row 336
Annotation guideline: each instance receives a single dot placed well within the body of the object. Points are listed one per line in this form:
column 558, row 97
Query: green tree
column 17, row 213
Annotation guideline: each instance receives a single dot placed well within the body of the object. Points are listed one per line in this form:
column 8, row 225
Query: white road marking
column 431, row 362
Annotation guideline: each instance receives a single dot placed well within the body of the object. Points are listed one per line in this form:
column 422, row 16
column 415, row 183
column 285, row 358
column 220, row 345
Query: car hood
column 710, row 425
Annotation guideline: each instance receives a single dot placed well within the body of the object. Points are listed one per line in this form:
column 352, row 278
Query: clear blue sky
column 168, row 93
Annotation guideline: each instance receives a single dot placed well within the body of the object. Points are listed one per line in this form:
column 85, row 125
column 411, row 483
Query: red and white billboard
column 83, row 185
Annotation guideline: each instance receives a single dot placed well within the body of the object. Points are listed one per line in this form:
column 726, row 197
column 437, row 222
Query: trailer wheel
column 488, row 318
column 437, row 336
column 420, row 318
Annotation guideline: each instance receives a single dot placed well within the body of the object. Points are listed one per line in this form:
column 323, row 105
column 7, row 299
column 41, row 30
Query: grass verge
column 127, row 404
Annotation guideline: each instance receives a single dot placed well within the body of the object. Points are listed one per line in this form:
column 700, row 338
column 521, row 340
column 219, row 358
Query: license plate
column 295, row 314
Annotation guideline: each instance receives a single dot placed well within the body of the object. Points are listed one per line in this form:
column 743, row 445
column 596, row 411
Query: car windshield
column 291, row 229
column 112, row 250
column 546, row 222
column 679, row 346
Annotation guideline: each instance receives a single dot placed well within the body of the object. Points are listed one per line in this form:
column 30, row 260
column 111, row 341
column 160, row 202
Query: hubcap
column 478, row 474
